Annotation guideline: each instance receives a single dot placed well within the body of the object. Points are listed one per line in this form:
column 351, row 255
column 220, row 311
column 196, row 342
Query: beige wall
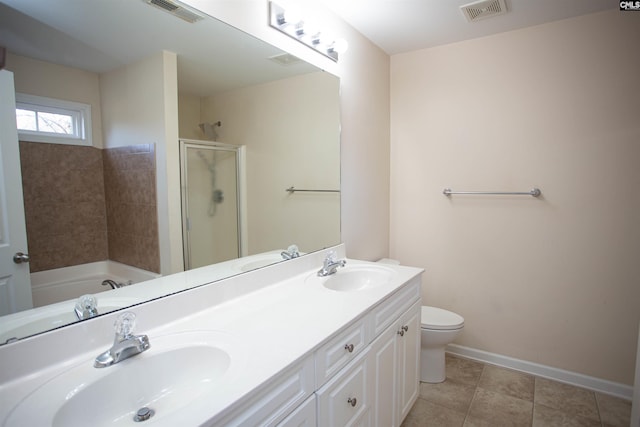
column 364, row 102
column 189, row 117
column 50, row 80
column 301, row 151
column 552, row 280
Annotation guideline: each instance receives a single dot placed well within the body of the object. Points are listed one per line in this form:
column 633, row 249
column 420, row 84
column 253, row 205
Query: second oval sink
column 356, row 278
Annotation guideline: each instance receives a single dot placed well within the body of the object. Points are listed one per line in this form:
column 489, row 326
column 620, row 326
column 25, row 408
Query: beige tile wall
column 71, row 219
column 64, row 204
column 132, row 219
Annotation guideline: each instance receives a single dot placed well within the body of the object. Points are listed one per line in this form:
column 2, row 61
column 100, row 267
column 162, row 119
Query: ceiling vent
column 483, row 9
column 176, row 9
column 285, row 59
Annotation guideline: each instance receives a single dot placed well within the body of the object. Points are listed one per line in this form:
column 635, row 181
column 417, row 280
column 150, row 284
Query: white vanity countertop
column 273, row 327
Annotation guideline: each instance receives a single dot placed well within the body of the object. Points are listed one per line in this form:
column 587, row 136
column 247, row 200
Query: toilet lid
column 437, row 318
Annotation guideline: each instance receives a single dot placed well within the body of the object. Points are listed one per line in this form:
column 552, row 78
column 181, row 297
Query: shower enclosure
column 212, row 202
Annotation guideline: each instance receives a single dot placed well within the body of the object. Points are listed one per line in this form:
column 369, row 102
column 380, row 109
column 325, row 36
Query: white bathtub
column 62, row 284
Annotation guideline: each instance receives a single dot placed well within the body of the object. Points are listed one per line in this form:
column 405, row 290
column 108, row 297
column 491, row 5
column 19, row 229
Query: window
column 41, row 119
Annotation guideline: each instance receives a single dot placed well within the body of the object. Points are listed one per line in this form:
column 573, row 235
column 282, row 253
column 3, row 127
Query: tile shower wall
column 64, row 204
column 83, row 204
column 130, row 193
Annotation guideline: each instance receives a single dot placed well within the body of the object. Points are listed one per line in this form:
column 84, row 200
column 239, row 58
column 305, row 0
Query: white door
column 15, row 285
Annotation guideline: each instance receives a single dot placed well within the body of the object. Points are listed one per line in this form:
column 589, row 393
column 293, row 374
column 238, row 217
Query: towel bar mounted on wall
column 292, row 190
column 535, row 192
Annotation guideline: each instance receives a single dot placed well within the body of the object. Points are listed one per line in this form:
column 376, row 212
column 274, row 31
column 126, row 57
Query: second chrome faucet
column 331, row 264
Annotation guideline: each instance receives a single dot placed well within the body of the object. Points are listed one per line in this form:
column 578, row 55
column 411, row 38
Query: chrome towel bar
column 292, row 190
column 535, row 192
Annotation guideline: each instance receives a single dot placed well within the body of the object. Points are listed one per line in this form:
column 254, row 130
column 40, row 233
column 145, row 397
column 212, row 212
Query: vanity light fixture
column 287, row 22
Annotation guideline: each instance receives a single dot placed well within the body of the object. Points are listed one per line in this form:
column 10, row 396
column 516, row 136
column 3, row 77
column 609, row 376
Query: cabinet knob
column 401, row 332
column 405, row 328
column 352, row 401
column 349, row 348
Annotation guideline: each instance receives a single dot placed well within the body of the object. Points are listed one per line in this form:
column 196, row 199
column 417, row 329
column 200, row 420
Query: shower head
column 209, row 129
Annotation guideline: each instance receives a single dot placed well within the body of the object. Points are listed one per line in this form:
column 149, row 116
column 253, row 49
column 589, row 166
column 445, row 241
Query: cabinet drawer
column 271, row 403
column 341, row 349
column 344, row 400
column 303, row 416
column 390, row 310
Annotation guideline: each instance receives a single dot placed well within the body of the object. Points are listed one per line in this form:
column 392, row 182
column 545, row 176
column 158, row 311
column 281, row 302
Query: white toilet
column 438, row 328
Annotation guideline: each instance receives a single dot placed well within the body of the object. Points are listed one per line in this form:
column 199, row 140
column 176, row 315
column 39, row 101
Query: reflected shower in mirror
column 108, row 211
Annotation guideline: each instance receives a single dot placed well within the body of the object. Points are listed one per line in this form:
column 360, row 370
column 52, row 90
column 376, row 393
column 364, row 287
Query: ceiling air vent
column 177, row 9
column 483, row 9
column 285, row 59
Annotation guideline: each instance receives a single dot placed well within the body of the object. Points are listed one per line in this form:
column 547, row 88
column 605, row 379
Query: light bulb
column 340, row 46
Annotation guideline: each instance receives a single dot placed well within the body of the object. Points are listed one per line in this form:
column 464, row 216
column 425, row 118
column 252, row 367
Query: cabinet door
column 344, row 400
column 383, row 359
column 408, row 360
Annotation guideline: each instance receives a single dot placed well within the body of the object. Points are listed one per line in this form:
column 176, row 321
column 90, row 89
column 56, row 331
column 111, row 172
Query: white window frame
column 81, row 114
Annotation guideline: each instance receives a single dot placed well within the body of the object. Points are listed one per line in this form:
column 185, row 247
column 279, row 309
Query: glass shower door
column 210, row 203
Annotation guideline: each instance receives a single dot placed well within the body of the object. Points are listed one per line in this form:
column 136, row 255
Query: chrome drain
column 143, row 414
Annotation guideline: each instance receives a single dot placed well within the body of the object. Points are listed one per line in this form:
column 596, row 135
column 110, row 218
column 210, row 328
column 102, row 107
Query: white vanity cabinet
column 381, row 383
column 365, row 374
column 395, row 360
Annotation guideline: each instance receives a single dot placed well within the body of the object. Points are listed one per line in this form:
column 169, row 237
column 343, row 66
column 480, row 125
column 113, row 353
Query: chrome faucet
column 331, row 264
column 125, row 344
column 112, row 283
column 290, row 253
column 86, row 307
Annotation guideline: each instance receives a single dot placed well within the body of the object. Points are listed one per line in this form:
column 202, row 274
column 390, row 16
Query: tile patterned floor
column 480, row 395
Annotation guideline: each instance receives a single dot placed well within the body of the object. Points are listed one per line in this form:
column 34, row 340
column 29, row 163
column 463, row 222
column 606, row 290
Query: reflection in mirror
column 212, row 202
column 99, row 213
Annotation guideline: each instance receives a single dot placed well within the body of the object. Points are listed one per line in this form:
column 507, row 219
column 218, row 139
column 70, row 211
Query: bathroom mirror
column 224, row 75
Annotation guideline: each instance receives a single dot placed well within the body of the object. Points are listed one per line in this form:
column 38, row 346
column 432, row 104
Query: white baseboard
column 596, row 384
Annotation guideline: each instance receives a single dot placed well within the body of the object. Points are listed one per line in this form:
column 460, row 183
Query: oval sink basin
column 174, row 373
column 357, row 278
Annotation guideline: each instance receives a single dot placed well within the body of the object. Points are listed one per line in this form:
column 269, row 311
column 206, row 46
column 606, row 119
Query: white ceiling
column 100, row 35
column 404, row 25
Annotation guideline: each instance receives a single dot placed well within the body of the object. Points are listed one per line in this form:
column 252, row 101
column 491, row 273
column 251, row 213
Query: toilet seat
column 439, row 319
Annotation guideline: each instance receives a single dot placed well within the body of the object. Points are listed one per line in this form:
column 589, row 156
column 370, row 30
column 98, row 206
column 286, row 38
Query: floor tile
column 614, row 412
column 477, row 422
column 479, row 395
column 449, row 394
column 506, row 381
column 463, row 371
column 499, row 409
column 426, row 413
column 544, row 416
column 572, row 400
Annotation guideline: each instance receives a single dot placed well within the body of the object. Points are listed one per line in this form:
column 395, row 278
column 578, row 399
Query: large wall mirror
column 252, row 121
